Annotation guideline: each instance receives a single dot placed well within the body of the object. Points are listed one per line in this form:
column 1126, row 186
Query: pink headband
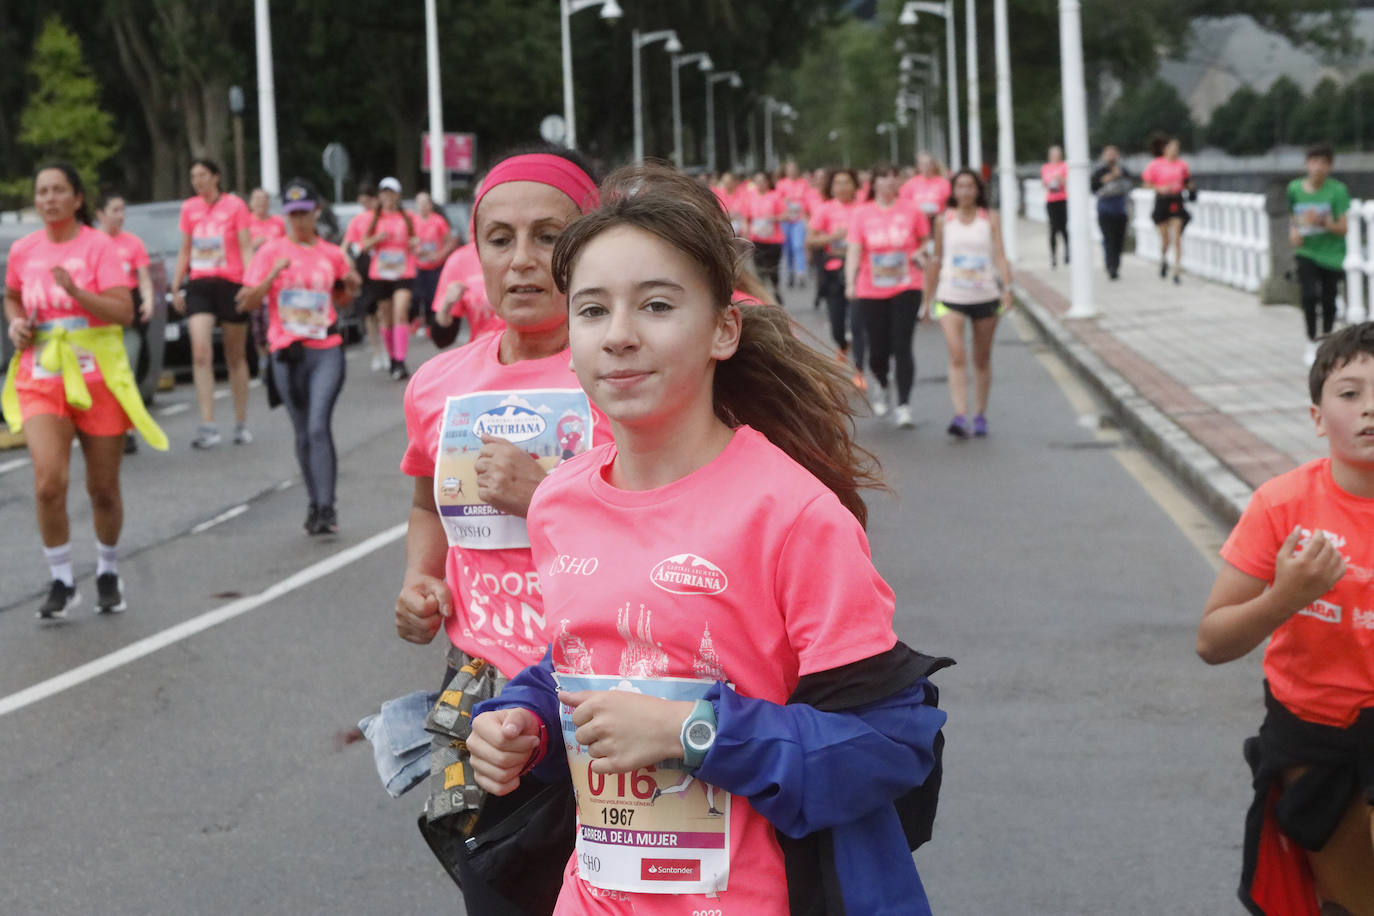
column 545, row 168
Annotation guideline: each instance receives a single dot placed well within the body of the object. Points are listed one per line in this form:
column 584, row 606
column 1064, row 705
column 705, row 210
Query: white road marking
column 173, row 409
column 150, row 644
column 220, row 519
column 13, row 465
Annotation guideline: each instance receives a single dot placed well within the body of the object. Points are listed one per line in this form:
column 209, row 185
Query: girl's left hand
column 624, row 731
column 1008, row 300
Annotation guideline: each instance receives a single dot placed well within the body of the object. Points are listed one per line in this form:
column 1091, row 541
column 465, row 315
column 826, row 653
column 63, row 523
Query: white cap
column 389, row 184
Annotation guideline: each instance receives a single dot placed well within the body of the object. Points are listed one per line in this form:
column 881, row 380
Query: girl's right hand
column 21, row 333
column 421, row 607
column 179, row 301
column 1303, row 577
column 500, row 747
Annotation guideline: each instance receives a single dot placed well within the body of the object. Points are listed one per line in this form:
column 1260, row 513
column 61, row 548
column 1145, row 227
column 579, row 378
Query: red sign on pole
column 458, row 152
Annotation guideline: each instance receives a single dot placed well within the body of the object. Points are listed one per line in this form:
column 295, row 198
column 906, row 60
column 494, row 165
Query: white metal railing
column 1359, row 260
column 1227, row 240
column 1033, row 196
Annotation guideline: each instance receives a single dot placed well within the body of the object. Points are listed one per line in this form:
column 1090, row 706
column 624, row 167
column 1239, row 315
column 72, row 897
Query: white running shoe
column 207, row 436
column 903, row 417
column 1309, row 355
column 379, row 363
column 880, row 402
column 242, row 435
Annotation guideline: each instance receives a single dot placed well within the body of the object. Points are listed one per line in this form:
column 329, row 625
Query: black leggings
column 1318, row 286
column 767, row 261
column 309, row 389
column 891, row 324
column 1058, row 212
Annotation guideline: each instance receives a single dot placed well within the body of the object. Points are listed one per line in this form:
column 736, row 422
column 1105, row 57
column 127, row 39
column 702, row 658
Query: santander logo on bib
column 689, row 574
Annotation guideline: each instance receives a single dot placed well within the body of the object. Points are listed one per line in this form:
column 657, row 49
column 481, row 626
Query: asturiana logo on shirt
column 689, row 574
column 512, row 423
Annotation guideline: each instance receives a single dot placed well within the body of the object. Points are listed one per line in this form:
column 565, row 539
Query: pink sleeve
column 259, row 267
column 109, row 267
column 1148, row 176
column 1254, row 542
column 140, row 258
column 336, row 256
column 839, row 611
column 820, row 219
column 418, row 460
column 184, row 223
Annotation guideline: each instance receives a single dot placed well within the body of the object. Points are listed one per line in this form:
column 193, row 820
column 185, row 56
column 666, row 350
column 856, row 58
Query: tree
column 63, row 118
column 1141, row 111
column 1322, row 118
column 1228, row 127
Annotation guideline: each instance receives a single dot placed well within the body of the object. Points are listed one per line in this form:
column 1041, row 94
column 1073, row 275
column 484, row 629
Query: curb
column 1225, row 494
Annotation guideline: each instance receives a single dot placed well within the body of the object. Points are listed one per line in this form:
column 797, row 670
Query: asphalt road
column 1093, row 763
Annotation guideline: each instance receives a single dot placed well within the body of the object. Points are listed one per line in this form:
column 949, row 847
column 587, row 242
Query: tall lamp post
column 975, row 113
column 704, row 64
column 770, row 105
column 610, row 11
column 1006, row 142
column 910, row 14
column 711, row 80
column 637, row 43
column 932, row 80
column 438, row 167
column 1076, row 140
column 236, row 109
column 267, row 100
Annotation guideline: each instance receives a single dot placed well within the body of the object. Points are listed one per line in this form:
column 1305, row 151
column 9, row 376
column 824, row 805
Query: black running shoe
column 109, row 594
column 312, row 518
column 61, row 598
column 1163, row 270
column 328, row 521
column 400, row 372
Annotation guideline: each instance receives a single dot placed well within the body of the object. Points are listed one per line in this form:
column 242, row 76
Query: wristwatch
column 698, row 734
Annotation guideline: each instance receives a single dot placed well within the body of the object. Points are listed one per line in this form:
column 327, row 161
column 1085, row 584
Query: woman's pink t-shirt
column 392, row 258
column 794, row 193
column 300, row 302
column 214, row 230
column 357, row 228
column 1167, row 177
column 766, row 210
column 930, row 194
column 1055, row 177
column 888, row 239
column 94, row 264
column 261, row 231
column 498, row 605
column 432, row 231
column 463, row 266
column 712, row 577
column 831, row 217
column 132, row 255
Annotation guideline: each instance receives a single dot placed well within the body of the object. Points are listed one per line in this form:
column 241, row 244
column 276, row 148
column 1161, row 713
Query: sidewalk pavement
column 1204, row 376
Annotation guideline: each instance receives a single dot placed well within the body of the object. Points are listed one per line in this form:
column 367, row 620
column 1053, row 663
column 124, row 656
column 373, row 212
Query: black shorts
column 214, row 296
column 377, row 290
column 975, row 311
column 1167, row 207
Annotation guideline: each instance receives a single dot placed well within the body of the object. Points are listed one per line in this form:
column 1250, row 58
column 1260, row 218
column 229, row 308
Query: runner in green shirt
column 1318, row 204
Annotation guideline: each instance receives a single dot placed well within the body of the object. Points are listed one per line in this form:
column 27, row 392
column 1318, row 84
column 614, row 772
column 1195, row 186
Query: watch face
column 700, row 734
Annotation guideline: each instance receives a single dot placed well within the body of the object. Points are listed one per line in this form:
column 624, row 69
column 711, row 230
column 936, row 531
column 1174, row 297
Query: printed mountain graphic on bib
column 689, row 574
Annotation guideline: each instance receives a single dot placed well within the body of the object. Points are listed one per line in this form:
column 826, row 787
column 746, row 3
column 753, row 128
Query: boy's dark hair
column 1336, row 351
column 1321, row 151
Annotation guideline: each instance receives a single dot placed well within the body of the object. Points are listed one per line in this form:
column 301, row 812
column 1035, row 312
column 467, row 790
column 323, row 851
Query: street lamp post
column 889, row 128
column 711, row 80
column 1006, row 143
column 703, row 62
column 236, row 109
column 919, row 102
column 975, row 114
column 1076, row 140
column 771, row 104
column 909, row 16
column 637, row 43
column 438, row 167
column 610, row 10
column 270, row 179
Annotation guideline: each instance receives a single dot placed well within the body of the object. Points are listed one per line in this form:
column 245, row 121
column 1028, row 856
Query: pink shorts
column 104, row 418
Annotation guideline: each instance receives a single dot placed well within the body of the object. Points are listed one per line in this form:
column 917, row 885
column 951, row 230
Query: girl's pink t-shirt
column 930, row 194
column 357, row 228
column 300, row 302
column 766, row 211
column 261, row 231
column 392, row 258
column 463, row 266
column 94, row 264
column 1055, row 177
column 1165, row 176
column 214, row 230
column 712, row 577
column 831, row 217
column 132, row 255
column 737, row 206
column 794, row 191
column 431, row 231
column 498, row 604
column 887, row 239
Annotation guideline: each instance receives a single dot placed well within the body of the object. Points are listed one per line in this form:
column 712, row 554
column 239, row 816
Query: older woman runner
column 66, row 296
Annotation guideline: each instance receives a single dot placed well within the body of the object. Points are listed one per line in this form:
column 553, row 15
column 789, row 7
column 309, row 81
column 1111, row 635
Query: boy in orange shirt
column 1300, row 571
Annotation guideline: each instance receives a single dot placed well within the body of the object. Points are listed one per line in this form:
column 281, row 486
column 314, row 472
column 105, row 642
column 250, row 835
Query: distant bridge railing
column 1227, row 239
column 1359, row 260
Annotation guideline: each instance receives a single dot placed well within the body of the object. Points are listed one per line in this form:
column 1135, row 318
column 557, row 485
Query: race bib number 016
column 551, row 425
column 658, row 830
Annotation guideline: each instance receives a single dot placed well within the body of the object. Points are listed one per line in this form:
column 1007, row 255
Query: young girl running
column 690, row 620
column 928, row 189
column 461, row 293
column 302, row 277
column 433, row 243
column 793, row 188
column 968, row 262
column 366, row 303
column 392, row 271
column 1169, row 177
column 766, row 208
column 66, row 295
column 1054, row 176
column 263, row 225
column 829, row 230
column 882, row 270
column 1299, row 573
